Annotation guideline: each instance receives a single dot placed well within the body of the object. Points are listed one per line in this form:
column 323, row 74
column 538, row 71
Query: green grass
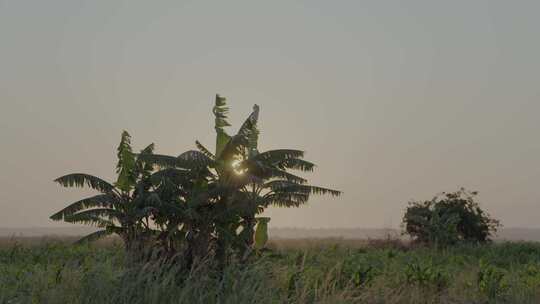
column 56, row 272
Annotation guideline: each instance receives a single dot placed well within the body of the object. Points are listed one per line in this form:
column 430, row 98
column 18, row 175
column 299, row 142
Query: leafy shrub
column 449, row 218
column 426, row 275
column 531, row 276
column 491, row 280
column 359, row 271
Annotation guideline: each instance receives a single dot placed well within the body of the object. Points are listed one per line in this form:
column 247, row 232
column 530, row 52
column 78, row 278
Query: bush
column 448, row 219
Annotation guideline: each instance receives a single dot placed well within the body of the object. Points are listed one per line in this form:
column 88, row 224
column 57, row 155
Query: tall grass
column 54, row 272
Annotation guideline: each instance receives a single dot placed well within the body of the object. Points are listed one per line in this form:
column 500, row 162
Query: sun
column 235, row 164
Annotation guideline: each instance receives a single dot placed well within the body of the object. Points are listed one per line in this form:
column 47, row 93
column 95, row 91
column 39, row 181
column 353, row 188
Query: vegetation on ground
column 491, row 273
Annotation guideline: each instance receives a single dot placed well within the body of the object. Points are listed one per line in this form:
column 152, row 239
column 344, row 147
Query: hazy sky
column 394, row 100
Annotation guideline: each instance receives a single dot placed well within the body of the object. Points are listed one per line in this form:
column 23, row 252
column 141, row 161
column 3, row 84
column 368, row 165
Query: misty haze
column 269, row 152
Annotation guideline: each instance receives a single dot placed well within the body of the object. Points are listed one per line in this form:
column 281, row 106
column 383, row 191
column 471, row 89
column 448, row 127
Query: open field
column 504, row 234
column 37, row 270
column 269, row 152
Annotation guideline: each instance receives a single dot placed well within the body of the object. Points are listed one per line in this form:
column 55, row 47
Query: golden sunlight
column 235, row 164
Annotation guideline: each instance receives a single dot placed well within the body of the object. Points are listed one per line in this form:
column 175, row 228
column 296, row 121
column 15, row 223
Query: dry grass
column 276, row 243
column 322, row 243
column 37, row 241
column 309, row 244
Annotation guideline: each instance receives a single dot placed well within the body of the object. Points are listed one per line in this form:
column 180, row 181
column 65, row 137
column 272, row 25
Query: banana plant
column 257, row 180
column 120, row 207
column 198, row 204
column 203, row 194
column 265, row 180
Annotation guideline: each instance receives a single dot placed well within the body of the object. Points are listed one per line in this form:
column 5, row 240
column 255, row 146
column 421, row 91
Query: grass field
column 294, row 271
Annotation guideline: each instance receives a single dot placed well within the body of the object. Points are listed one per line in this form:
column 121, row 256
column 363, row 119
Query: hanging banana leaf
column 261, row 233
